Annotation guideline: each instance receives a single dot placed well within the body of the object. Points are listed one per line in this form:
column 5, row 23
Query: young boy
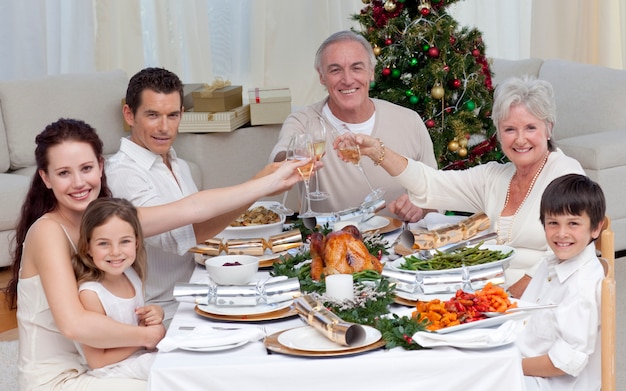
column 561, row 348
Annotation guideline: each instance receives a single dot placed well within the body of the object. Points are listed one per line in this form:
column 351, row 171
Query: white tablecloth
column 251, row 367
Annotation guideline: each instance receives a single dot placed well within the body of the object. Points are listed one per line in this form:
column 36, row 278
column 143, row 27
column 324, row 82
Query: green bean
column 466, row 256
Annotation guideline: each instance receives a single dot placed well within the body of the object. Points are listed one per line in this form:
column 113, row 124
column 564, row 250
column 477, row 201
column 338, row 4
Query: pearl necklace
column 499, row 240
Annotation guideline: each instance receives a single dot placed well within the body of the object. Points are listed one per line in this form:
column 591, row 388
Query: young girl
column 110, row 268
column 561, row 348
column 50, row 316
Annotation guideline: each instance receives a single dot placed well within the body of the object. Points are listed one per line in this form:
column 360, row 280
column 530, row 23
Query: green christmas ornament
column 413, row 62
column 425, row 47
column 372, row 85
column 395, row 73
column 470, row 105
column 408, row 93
column 413, row 99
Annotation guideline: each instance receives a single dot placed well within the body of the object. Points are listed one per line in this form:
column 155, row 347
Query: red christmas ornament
column 446, row 68
column 425, row 11
column 455, row 84
column 430, row 123
column 433, row 52
column 388, row 41
column 452, row 40
column 475, row 52
column 386, row 71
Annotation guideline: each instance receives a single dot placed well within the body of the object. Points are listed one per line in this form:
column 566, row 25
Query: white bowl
column 240, row 274
column 255, row 231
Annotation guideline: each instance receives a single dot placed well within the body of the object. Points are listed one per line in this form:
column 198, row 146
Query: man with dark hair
column 147, row 172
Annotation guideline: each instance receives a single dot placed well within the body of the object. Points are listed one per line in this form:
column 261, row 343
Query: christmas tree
column 428, row 64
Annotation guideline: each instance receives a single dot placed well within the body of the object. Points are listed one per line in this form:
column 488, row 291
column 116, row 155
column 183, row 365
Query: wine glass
column 302, row 149
column 318, row 132
column 349, row 150
column 282, row 208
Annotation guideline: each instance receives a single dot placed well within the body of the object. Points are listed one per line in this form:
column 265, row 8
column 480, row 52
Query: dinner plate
column 243, row 310
column 397, row 263
column 382, row 224
column 309, row 339
column 214, row 348
column 272, row 344
column 274, row 315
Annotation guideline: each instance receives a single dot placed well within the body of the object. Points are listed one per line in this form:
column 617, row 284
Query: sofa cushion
column 503, row 69
column 14, row 189
column 29, row 105
column 5, row 163
column 589, row 98
column 597, row 151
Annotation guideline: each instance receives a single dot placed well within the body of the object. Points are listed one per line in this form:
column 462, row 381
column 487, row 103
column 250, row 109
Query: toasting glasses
column 349, row 150
column 317, row 130
column 282, row 208
column 302, row 149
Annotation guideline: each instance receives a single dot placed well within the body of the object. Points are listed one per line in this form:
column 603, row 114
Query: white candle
column 339, row 286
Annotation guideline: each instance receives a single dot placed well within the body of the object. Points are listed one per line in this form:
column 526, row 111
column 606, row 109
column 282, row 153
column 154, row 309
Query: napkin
column 470, row 338
column 207, row 336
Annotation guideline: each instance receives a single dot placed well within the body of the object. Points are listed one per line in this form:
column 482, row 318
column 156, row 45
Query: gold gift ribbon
column 207, row 89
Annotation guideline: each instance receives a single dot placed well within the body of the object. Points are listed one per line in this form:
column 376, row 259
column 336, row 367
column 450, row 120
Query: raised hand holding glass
column 349, row 150
column 317, row 129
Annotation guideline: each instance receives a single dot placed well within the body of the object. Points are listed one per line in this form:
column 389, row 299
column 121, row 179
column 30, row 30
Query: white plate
column 489, row 322
column 396, row 264
column 483, row 323
column 376, row 222
column 243, row 310
column 423, row 297
column 214, row 348
column 254, row 231
column 308, row 338
column 265, row 260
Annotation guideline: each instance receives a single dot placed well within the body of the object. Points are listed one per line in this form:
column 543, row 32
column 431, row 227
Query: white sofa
column 27, row 106
column 591, row 123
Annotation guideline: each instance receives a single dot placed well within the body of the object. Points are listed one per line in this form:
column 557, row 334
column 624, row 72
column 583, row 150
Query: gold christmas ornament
column 462, row 152
column 390, row 6
column 463, row 142
column 437, row 91
column 453, row 146
column 377, row 50
column 424, row 4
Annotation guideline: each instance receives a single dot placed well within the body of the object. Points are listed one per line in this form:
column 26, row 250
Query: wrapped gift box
column 203, row 122
column 218, row 100
column 269, row 105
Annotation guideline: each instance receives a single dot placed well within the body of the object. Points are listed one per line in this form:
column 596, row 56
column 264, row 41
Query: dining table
column 254, row 367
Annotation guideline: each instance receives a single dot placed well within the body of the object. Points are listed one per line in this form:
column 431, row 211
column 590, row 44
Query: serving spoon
column 494, row 314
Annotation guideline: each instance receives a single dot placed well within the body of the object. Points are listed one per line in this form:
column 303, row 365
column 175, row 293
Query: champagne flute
column 318, row 132
column 282, row 208
column 302, row 149
column 349, row 150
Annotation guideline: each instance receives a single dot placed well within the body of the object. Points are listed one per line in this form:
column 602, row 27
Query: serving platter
column 483, row 323
column 396, row 264
column 273, row 344
column 274, row 315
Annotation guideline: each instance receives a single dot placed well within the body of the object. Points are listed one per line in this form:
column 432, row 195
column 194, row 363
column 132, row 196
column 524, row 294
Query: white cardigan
column 484, row 188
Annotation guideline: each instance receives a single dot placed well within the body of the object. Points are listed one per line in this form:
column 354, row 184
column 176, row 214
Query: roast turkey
column 341, row 252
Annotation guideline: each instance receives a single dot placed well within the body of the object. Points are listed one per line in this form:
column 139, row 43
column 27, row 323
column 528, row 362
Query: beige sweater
column 399, row 128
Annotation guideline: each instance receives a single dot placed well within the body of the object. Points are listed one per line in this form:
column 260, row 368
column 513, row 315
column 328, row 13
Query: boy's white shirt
column 569, row 334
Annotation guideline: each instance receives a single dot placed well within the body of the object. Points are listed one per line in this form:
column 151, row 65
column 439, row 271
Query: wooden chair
column 606, row 245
